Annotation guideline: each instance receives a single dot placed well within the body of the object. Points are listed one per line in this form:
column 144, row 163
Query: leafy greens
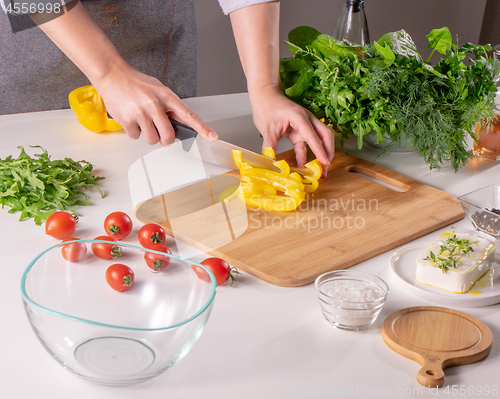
column 388, row 88
column 39, row 186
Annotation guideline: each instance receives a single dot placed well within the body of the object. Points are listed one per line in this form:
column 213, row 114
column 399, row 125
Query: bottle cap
column 357, row 5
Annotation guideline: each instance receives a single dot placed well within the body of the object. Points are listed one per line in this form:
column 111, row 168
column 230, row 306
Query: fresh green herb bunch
column 330, row 79
column 39, row 186
column 388, row 88
column 450, row 254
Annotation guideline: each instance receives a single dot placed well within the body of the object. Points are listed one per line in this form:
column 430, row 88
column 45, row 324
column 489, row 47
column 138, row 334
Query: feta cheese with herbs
column 455, row 261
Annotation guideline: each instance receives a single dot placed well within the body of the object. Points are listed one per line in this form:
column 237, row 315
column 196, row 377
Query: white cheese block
column 470, row 267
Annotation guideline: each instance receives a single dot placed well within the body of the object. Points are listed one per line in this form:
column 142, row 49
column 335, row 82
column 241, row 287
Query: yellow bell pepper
column 312, row 169
column 90, row 110
column 279, row 181
column 281, row 191
column 269, row 152
column 310, row 185
column 250, row 194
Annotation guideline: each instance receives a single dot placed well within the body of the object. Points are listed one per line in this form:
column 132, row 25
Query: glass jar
column 488, row 141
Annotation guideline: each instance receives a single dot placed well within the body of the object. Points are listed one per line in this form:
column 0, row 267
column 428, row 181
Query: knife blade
column 216, row 152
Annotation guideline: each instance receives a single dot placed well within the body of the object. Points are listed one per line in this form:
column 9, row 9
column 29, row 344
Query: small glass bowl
column 480, row 206
column 109, row 337
column 351, row 300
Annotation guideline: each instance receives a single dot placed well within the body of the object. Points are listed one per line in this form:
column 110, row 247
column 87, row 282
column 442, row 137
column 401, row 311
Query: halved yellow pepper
column 90, row 110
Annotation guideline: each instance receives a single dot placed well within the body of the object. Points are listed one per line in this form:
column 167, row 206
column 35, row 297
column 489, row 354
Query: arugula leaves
column 39, row 186
column 389, row 89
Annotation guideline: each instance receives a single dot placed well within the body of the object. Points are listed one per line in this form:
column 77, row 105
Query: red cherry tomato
column 118, row 225
column 150, row 234
column 219, row 267
column 60, row 225
column 74, row 252
column 106, row 251
column 157, row 262
column 120, row 277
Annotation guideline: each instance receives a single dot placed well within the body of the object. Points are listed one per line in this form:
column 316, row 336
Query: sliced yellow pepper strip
column 228, row 194
column 280, row 191
column 283, row 167
column 310, row 185
column 257, row 189
column 268, row 152
column 278, row 180
column 90, row 110
column 271, row 202
column 237, row 158
column 295, row 176
column 263, row 188
column 313, row 169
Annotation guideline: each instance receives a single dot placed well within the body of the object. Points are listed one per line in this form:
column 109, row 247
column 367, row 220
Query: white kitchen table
column 261, row 341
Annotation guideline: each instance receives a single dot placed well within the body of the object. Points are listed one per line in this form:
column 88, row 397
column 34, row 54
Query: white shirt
column 231, row 5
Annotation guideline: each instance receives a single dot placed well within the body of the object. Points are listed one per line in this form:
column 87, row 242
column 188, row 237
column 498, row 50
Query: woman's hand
column 276, row 116
column 256, row 31
column 141, row 104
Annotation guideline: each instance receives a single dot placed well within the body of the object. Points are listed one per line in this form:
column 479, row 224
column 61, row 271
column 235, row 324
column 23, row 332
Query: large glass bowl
column 482, row 207
column 109, row 337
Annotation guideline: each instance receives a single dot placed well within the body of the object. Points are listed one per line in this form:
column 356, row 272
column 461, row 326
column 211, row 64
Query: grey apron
column 157, row 37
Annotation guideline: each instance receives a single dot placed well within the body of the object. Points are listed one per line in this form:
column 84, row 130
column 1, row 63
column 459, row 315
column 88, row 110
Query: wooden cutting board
column 436, row 338
column 347, row 220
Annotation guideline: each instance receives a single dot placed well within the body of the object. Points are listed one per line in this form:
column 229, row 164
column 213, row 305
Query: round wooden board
column 436, row 338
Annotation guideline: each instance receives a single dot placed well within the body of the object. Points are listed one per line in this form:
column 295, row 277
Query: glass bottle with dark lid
column 352, row 24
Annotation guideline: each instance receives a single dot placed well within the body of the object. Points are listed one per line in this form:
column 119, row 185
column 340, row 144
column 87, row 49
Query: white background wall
column 219, row 69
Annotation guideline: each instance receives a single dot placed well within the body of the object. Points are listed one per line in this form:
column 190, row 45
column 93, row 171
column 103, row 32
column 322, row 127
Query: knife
column 216, row 152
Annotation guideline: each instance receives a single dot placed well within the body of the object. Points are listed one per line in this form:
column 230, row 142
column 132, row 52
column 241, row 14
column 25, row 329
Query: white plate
column 485, row 292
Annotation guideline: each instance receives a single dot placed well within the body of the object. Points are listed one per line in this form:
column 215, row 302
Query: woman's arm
column 256, row 31
column 140, row 103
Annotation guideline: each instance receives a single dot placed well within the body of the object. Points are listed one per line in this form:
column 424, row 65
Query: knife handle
column 184, row 133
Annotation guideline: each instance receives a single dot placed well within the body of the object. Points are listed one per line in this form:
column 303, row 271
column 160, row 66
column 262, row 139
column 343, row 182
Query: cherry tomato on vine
column 60, row 225
column 220, row 268
column 120, row 277
column 75, row 251
column 118, row 225
column 151, row 233
column 106, row 251
column 157, row 262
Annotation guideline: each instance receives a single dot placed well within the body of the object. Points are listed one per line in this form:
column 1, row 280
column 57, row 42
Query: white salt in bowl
column 351, row 300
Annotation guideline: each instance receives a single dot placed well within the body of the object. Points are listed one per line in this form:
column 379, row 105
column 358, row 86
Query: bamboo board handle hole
column 429, row 377
column 379, row 178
